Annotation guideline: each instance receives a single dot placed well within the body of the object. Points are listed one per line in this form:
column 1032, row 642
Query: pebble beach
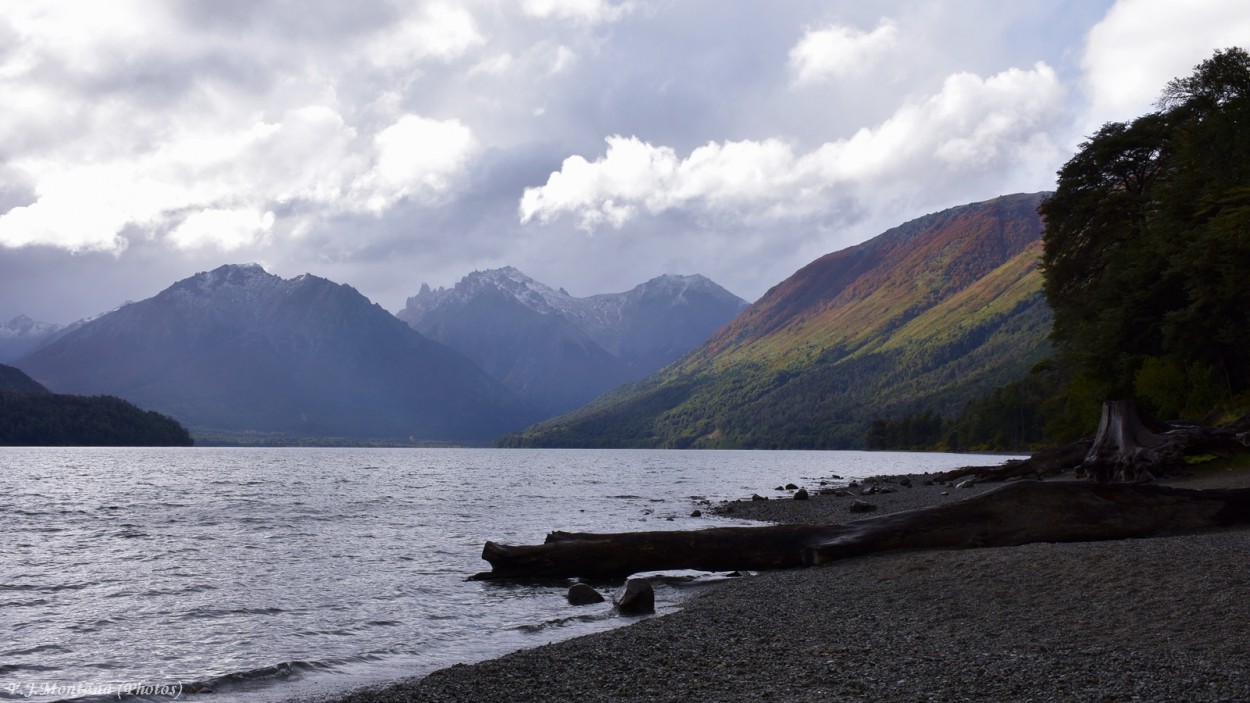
column 1163, row 619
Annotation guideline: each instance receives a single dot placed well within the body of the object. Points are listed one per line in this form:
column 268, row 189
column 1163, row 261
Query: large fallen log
column 1017, row 513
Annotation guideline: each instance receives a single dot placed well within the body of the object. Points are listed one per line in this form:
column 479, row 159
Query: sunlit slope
column 927, row 315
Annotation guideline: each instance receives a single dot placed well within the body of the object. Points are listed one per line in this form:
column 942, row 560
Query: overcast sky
column 593, row 144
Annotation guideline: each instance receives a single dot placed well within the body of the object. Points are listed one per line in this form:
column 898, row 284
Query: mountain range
column 926, row 316
column 559, row 351
column 239, row 350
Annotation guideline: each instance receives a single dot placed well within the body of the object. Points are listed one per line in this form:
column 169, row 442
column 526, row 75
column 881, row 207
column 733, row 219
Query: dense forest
column 48, row 419
column 1145, row 254
column 30, row 415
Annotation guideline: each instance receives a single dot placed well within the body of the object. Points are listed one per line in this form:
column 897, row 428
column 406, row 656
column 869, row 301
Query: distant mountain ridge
column 22, row 335
column 238, row 349
column 560, row 351
column 929, row 314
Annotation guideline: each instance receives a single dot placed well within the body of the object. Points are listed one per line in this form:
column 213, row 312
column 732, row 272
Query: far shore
column 1131, row 620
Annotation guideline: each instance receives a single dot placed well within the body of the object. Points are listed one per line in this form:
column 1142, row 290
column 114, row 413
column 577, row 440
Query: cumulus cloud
column 420, row 153
column 442, row 31
column 1142, row 44
column 590, row 11
column 224, row 229
column 837, row 51
column 97, row 156
column 973, row 125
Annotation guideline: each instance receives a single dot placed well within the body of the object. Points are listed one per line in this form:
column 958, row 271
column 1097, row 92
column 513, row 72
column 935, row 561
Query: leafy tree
column 1147, row 245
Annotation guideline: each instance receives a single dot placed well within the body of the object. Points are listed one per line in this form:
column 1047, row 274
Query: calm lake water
column 268, row 574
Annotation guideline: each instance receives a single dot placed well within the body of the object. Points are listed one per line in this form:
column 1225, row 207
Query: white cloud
column 837, row 51
column 1142, row 44
column 440, row 31
column 224, row 229
column 972, row 127
column 590, row 11
column 417, row 153
column 310, row 158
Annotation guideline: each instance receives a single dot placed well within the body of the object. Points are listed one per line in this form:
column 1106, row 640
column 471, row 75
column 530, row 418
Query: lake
column 267, row 574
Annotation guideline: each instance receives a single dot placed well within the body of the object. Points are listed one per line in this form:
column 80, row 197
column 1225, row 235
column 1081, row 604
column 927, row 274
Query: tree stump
column 1126, row 446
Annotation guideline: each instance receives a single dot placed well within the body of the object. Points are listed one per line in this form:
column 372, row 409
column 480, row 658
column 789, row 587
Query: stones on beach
column 637, row 598
column 756, row 496
column 584, row 594
column 791, row 487
column 696, row 513
column 905, row 482
column 801, row 494
column 861, row 506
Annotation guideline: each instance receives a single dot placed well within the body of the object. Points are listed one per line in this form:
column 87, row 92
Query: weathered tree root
column 1017, row 513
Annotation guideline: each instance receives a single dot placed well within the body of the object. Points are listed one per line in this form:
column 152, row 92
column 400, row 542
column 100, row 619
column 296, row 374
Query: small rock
column 756, row 496
column 905, row 482
column 945, row 493
column 584, row 594
column 791, row 487
column 861, row 506
column 801, row 494
column 696, row 513
column 638, row 598
column 886, row 489
column 853, row 484
column 780, row 488
column 828, row 491
column 836, row 477
column 966, row 484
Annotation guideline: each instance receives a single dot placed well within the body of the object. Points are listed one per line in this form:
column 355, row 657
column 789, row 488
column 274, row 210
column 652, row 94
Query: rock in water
column 801, row 494
column 638, row 598
column 583, row 594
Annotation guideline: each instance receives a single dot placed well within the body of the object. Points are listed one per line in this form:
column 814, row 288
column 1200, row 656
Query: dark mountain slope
column 240, row 350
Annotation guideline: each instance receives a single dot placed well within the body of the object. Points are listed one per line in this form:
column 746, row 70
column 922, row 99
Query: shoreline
column 1148, row 619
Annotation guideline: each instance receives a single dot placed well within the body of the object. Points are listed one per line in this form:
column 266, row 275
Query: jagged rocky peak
column 227, row 276
column 508, row 280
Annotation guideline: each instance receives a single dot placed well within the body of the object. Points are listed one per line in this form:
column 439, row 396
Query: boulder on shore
column 584, row 594
column 638, row 598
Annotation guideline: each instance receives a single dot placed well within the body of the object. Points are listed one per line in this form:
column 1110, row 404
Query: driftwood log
column 1017, row 513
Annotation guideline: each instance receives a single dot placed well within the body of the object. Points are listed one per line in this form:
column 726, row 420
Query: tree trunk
column 1017, row 513
column 1125, row 449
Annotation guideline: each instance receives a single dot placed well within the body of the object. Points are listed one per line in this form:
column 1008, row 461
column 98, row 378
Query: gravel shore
column 1163, row 619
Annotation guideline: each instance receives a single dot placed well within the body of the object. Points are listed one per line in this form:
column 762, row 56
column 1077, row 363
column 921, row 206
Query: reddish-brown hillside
column 927, row 316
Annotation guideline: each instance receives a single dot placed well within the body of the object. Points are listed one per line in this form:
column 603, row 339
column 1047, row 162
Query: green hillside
column 928, row 315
